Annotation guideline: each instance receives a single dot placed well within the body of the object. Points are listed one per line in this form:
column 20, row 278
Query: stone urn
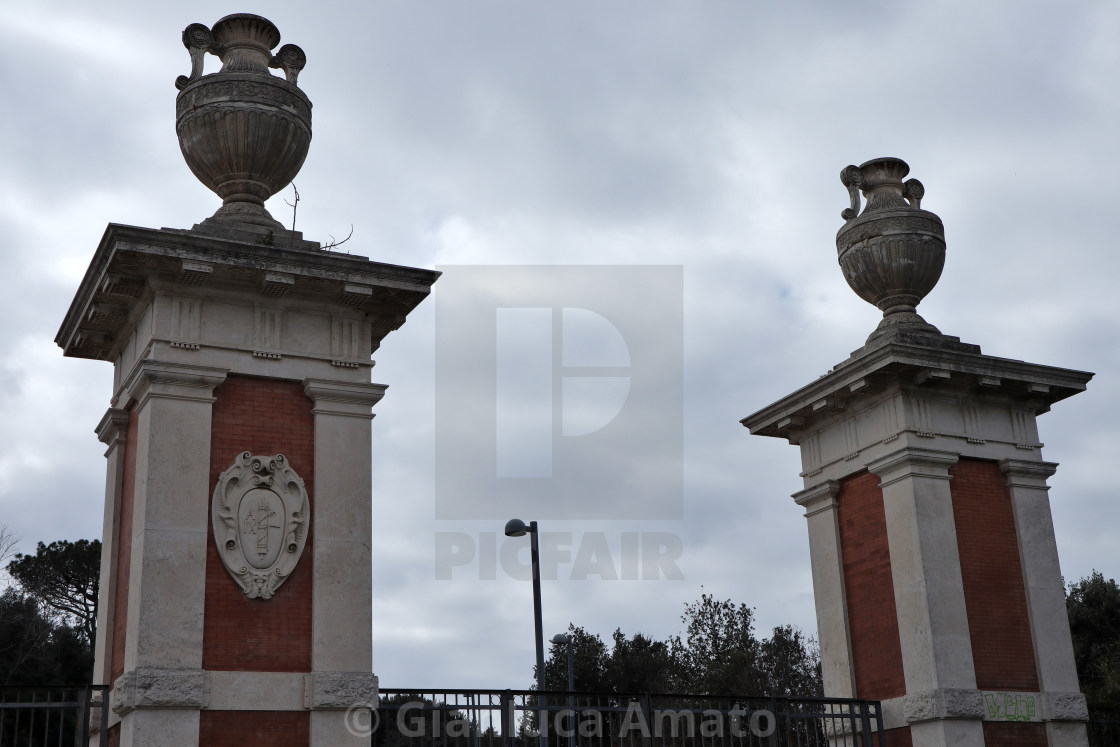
column 893, row 252
column 243, row 131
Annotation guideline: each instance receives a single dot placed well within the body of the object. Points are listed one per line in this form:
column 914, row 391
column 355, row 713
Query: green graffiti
column 1010, row 707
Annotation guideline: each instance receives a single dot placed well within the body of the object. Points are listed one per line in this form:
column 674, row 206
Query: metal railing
column 69, row 716
column 51, row 716
column 514, row 718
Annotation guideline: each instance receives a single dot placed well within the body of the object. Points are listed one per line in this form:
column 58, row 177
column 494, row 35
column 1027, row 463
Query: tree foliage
column 63, row 576
column 1093, row 604
column 717, row 653
column 589, row 658
column 47, row 616
column 37, row 650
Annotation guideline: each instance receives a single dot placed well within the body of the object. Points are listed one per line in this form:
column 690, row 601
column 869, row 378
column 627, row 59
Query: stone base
column 250, row 233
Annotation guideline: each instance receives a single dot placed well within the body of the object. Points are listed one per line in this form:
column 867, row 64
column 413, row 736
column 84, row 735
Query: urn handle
column 198, row 40
column 913, row 191
column 291, row 60
column 243, row 42
column 852, row 178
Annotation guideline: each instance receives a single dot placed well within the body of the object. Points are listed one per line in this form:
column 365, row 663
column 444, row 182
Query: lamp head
column 516, row 528
column 561, row 638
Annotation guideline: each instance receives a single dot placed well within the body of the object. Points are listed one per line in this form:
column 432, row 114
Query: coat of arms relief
column 259, row 513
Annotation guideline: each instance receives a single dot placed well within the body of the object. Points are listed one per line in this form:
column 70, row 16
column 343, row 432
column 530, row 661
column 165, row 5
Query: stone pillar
column 819, row 502
column 1063, row 702
column 930, row 533
column 929, row 597
column 341, row 595
column 236, row 599
column 113, row 432
column 161, row 688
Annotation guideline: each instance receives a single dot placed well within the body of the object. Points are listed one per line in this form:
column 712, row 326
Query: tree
column 791, row 663
column 589, row 663
column 719, row 653
column 35, row 650
column 640, row 665
column 63, row 576
column 1093, row 605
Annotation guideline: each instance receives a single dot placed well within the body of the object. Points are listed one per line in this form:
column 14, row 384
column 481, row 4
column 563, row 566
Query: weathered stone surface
column 260, row 514
column 339, row 690
column 161, row 688
column 1065, row 707
column 136, row 267
column 893, row 252
column 944, row 703
column 243, row 132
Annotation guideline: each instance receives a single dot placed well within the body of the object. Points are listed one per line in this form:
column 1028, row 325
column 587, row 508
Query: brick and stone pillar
column 935, row 569
column 236, row 576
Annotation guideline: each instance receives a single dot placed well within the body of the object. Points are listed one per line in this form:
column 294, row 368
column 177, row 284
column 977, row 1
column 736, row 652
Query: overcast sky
column 706, row 136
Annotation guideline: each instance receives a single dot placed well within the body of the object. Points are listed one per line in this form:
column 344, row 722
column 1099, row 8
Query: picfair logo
column 558, row 392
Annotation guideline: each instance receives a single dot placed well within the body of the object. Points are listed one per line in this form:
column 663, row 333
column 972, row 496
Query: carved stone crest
column 260, row 512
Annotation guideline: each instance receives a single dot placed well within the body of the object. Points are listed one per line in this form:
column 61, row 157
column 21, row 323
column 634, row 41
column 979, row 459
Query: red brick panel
column 894, row 738
column 256, row 728
column 123, row 551
column 993, row 578
column 998, row 734
column 114, row 735
column 263, row 416
column 872, row 619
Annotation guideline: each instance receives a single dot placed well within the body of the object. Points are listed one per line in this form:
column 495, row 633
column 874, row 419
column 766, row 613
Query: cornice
column 130, row 259
column 918, row 367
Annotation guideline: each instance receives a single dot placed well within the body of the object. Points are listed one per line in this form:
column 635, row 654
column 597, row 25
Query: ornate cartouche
column 893, row 252
column 243, row 131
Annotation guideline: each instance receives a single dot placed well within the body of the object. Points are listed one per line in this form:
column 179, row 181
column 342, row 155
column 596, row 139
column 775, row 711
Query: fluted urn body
column 893, row 252
column 243, row 131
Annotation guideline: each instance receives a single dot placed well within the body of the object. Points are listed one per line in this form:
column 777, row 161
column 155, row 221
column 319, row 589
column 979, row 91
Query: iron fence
column 62, row 716
column 525, row 718
column 51, row 716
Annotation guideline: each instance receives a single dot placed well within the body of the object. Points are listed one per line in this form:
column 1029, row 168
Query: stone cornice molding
column 157, row 379
column 818, row 498
column 912, row 462
column 130, row 260
column 113, row 428
column 872, row 370
column 149, row 687
column 1021, row 473
column 347, row 398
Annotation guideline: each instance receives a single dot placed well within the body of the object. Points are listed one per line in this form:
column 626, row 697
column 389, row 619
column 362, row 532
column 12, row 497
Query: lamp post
column 517, row 528
column 564, row 638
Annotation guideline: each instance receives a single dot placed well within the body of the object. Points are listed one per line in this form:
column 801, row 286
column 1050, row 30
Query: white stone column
column 829, row 593
column 113, row 432
column 163, row 685
column 342, row 586
column 942, row 703
column 1063, row 704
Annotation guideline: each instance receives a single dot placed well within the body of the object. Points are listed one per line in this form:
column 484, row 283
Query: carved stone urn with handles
column 893, row 252
column 243, row 131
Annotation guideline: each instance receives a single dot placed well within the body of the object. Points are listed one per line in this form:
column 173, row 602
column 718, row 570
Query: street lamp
column 517, row 528
column 564, row 638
